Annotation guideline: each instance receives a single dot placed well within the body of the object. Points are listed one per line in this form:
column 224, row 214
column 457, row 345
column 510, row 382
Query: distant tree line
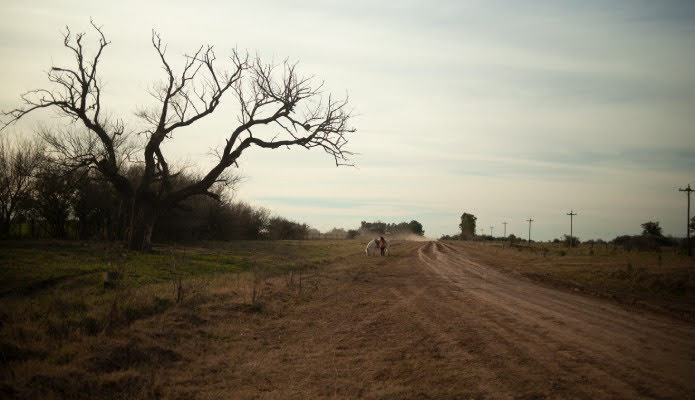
column 41, row 198
column 383, row 228
column 335, row 233
column 652, row 237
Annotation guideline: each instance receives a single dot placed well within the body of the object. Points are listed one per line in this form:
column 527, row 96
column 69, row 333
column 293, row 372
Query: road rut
column 556, row 341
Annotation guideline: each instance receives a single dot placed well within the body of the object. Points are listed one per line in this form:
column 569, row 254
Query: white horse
column 373, row 248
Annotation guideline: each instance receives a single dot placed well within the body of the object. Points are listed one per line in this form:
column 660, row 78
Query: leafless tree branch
column 271, row 97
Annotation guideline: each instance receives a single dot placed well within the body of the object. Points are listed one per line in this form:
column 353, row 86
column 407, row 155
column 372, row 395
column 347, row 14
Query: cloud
column 507, row 109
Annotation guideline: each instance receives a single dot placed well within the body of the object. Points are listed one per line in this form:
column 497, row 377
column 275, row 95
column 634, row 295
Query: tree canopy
column 467, row 225
column 651, row 228
column 383, row 228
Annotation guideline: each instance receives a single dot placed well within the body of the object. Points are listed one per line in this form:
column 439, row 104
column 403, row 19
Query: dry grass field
column 318, row 319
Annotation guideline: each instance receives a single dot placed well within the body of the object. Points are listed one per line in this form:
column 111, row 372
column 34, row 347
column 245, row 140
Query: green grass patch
column 30, row 266
column 53, row 291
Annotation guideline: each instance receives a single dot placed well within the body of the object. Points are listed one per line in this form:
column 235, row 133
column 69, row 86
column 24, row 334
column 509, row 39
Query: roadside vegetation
column 649, row 270
column 662, row 279
column 58, row 294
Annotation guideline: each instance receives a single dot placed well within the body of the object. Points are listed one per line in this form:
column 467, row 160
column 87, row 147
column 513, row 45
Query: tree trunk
column 142, row 219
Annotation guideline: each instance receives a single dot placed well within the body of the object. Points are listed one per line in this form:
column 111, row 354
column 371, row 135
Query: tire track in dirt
column 577, row 303
column 630, row 355
column 540, row 299
column 469, row 327
column 596, row 313
column 505, row 349
column 590, row 325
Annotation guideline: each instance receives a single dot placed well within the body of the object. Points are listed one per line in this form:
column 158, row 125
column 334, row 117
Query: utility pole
column 491, row 232
column 687, row 221
column 529, row 230
column 505, row 228
column 571, row 214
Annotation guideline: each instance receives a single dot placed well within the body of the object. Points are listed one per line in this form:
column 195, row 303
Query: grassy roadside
column 53, row 293
column 70, row 337
column 28, row 266
column 664, row 281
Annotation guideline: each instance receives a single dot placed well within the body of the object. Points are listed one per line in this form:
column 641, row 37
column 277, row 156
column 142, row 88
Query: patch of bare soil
column 424, row 323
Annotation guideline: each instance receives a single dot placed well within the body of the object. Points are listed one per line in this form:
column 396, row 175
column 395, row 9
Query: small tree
column 467, row 226
column 692, row 223
column 571, row 241
column 267, row 95
column 416, row 228
column 651, row 228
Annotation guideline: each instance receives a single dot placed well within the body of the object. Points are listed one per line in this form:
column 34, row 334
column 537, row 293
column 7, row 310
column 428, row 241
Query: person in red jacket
column 382, row 245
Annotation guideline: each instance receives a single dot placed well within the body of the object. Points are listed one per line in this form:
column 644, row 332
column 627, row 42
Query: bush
column 279, row 228
column 643, row 242
column 571, row 241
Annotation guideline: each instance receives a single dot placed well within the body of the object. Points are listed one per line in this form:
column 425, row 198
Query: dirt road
column 545, row 342
column 430, row 323
column 426, row 322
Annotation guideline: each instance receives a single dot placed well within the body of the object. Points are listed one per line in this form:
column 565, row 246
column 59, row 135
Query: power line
column 688, row 190
column 571, row 214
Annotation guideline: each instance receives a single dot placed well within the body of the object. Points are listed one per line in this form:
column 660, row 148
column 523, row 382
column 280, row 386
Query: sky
column 508, row 110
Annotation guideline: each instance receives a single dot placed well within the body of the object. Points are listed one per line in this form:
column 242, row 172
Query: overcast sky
column 505, row 109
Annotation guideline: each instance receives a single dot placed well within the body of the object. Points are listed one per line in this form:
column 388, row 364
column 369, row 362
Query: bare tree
column 19, row 162
column 267, row 94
